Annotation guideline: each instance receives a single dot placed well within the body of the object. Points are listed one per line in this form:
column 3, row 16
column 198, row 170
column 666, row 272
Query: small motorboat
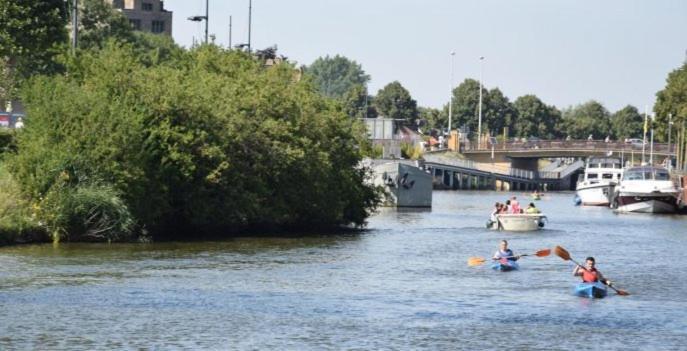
column 522, row 222
column 505, row 265
column 591, row 290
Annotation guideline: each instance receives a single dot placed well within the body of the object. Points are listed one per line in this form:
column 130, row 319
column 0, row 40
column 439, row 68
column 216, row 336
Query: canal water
column 401, row 284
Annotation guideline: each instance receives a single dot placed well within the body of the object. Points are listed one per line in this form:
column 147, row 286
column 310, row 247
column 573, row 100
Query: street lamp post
column 75, row 25
column 203, row 18
column 450, row 90
column 479, row 120
column 670, row 124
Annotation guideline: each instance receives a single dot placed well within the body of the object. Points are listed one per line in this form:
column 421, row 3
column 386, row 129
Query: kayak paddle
column 565, row 255
column 476, row 261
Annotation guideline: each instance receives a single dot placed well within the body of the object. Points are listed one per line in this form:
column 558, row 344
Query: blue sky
column 564, row 51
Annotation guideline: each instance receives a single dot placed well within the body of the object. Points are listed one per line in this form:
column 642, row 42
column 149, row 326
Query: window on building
column 158, row 27
column 135, row 24
column 147, row 6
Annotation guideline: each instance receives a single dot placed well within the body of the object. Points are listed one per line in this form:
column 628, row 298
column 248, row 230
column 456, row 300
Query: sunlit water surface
column 403, row 283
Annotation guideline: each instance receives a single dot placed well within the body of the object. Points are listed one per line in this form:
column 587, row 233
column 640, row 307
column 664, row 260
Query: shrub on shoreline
column 205, row 144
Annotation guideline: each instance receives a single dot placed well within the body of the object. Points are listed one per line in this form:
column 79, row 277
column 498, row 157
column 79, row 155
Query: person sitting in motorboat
column 589, row 273
column 507, row 207
column 505, row 252
column 515, row 205
column 497, row 210
column 531, row 209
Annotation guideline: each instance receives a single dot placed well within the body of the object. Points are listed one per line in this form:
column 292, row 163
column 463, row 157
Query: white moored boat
column 518, row 222
column 646, row 189
column 601, row 176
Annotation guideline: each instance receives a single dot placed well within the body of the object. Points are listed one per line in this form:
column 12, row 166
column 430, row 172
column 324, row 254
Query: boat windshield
column 662, row 175
column 646, row 174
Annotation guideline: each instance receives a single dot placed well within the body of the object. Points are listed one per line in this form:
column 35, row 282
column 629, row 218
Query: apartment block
column 145, row 15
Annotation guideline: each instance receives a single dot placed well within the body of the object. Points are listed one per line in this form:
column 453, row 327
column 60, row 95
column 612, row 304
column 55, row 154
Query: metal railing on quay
column 568, row 145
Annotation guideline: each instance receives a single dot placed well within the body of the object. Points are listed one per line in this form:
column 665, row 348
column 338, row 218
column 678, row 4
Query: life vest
column 590, row 276
column 505, row 255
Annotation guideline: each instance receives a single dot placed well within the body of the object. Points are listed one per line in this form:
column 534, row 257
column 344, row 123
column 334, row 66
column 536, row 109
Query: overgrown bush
column 7, row 141
column 410, row 151
column 86, row 213
column 17, row 223
column 213, row 142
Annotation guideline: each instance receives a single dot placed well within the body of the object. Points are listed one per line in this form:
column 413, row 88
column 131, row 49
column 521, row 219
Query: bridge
column 568, row 148
column 450, row 172
column 515, row 165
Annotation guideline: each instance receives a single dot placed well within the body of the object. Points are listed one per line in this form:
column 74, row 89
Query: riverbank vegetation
column 209, row 144
column 137, row 138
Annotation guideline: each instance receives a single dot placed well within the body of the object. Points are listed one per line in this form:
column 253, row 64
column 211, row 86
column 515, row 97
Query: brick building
column 146, row 15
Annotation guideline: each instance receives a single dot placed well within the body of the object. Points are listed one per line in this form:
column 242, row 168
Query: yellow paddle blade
column 476, row 261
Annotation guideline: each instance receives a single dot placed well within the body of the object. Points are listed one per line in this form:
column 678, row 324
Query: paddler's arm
column 577, row 271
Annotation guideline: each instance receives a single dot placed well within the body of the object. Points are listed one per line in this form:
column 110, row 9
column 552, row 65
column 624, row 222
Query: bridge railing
column 468, row 164
column 550, row 175
column 527, row 145
column 521, row 173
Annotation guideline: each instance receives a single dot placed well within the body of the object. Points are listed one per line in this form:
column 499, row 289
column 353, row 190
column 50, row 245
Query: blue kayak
column 505, row 265
column 591, row 290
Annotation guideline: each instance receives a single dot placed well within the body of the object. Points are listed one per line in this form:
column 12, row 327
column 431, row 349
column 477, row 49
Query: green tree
column 672, row 100
column 465, row 105
column 334, row 76
column 497, row 112
column 535, row 118
column 394, row 101
column 433, row 117
column 213, row 144
column 358, row 104
column 590, row 118
column 31, row 33
column 100, row 22
column 627, row 123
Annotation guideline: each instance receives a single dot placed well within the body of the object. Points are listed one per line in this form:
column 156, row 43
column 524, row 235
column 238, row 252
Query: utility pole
column 450, row 90
column 651, row 153
column 670, row 124
column 250, row 12
column 207, row 19
column 75, row 25
column 479, row 122
column 646, row 124
column 229, row 32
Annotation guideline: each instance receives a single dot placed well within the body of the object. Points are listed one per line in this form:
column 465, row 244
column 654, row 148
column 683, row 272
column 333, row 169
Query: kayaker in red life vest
column 505, row 253
column 589, row 273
